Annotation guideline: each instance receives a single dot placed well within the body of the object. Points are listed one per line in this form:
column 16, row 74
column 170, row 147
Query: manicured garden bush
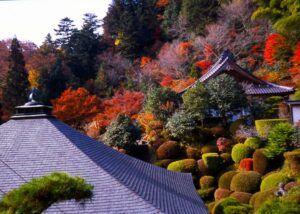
column 40, row 193
column 293, row 159
column 168, row 150
column 209, row 149
column 293, row 195
column 246, row 182
column 206, row 194
column 202, row 167
column 226, row 157
column 271, row 181
column 246, row 164
column 279, row 206
column 192, row 152
column 290, row 185
column 185, row 165
column 259, row 198
column 260, row 161
column 240, row 151
column 163, row 163
column 224, row 144
column 210, row 206
column 207, row 182
column 253, row 142
column 263, row 127
column 221, row 193
column 280, row 140
column 225, row 179
column 230, row 206
column 243, row 197
column 212, row 161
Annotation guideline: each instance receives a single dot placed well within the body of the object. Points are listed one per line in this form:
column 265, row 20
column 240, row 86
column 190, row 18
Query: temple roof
column 252, row 85
column 37, row 146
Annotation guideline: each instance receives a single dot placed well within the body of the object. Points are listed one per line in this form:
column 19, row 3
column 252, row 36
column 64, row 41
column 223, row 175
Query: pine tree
column 15, row 91
column 171, row 14
column 101, row 85
column 65, row 29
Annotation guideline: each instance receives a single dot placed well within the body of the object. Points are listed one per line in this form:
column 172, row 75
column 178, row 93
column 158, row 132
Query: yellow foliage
column 33, row 78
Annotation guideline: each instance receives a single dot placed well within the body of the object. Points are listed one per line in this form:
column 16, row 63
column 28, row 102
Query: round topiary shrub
column 207, row 182
column 192, row 152
column 230, row 206
column 240, row 151
column 271, row 181
column 225, row 179
column 253, row 142
column 206, row 194
column 241, row 209
column 221, row 193
column 163, row 163
column 168, row 150
column 278, row 206
column 246, row 164
column 212, row 161
column 243, row 197
column 293, row 195
column 210, row 206
column 202, row 168
column 293, row 159
column 185, row 165
column 259, row 198
column 246, row 182
column 260, row 161
column 209, row 149
column 263, row 127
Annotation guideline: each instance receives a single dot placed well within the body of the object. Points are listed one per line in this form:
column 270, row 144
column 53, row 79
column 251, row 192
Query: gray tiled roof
column 122, row 184
column 255, row 86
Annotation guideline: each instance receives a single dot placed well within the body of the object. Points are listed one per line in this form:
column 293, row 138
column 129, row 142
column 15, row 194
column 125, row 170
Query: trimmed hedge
column 163, row 163
column 202, row 168
column 225, row 179
column 243, row 197
column 293, row 159
column 230, row 206
column 293, row 195
column 246, row 182
column 212, row 161
column 253, row 143
column 226, row 157
column 240, row 151
column 279, row 206
column 260, row 161
column 259, row 198
column 246, row 164
column 206, row 194
column 271, row 181
column 209, row 149
column 241, row 209
column 207, row 182
column 192, row 152
column 221, row 193
column 185, row 165
column 168, row 150
column 263, row 127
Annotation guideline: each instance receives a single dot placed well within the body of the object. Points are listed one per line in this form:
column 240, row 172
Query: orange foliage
column 152, row 127
column 176, row 85
column 184, row 47
column 144, row 61
column 76, row 106
column 246, row 164
column 274, row 43
column 208, row 51
column 162, row 3
column 204, row 65
column 126, row 102
column 295, row 69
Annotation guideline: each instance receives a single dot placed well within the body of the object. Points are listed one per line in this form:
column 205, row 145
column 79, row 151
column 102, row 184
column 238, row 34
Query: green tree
column 171, row 14
column 195, row 72
column 284, row 14
column 199, row 13
column 122, row 133
column 195, row 101
column 16, row 87
column 225, row 95
column 162, row 102
column 40, row 193
column 101, row 83
column 65, row 29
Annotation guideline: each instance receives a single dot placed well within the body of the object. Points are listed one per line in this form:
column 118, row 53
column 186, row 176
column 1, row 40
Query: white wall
column 296, row 114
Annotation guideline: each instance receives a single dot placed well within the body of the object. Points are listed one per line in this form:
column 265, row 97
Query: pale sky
column 31, row 20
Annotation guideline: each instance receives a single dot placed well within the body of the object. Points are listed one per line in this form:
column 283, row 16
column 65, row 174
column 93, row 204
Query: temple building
column 34, row 143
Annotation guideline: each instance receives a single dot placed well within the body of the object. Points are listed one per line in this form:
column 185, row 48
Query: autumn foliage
column 204, row 65
column 144, row 61
column 246, row 164
column 75, row 107
column 176, row 85
column 162, row 3
column 274, row 44
column 295, row 69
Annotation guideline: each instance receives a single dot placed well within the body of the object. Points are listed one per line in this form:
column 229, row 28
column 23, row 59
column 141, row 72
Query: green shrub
column 260, row 161
column 185, row 165
column 212, row 161
column 207, row 182
column 293, row 159
column 236, row 125
column 263, row 127
column 202, row 167
column 210, row 206
column 296, row 96
column 293, row 195
column 259, row 198
column 168, row 150
column 40, row 193
column 271, row 181
column 253, row 142
column 247, row 181
column 230, row 206
column 209, row 149
column 280, row 140
column 221, row 193
column 240, row 152
column 192, row 152
column 290, row 185
column 225, row 179
column 226, row 157
column 206, row 194
column 243, row 197
column 163, row 163
column 277, row 206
